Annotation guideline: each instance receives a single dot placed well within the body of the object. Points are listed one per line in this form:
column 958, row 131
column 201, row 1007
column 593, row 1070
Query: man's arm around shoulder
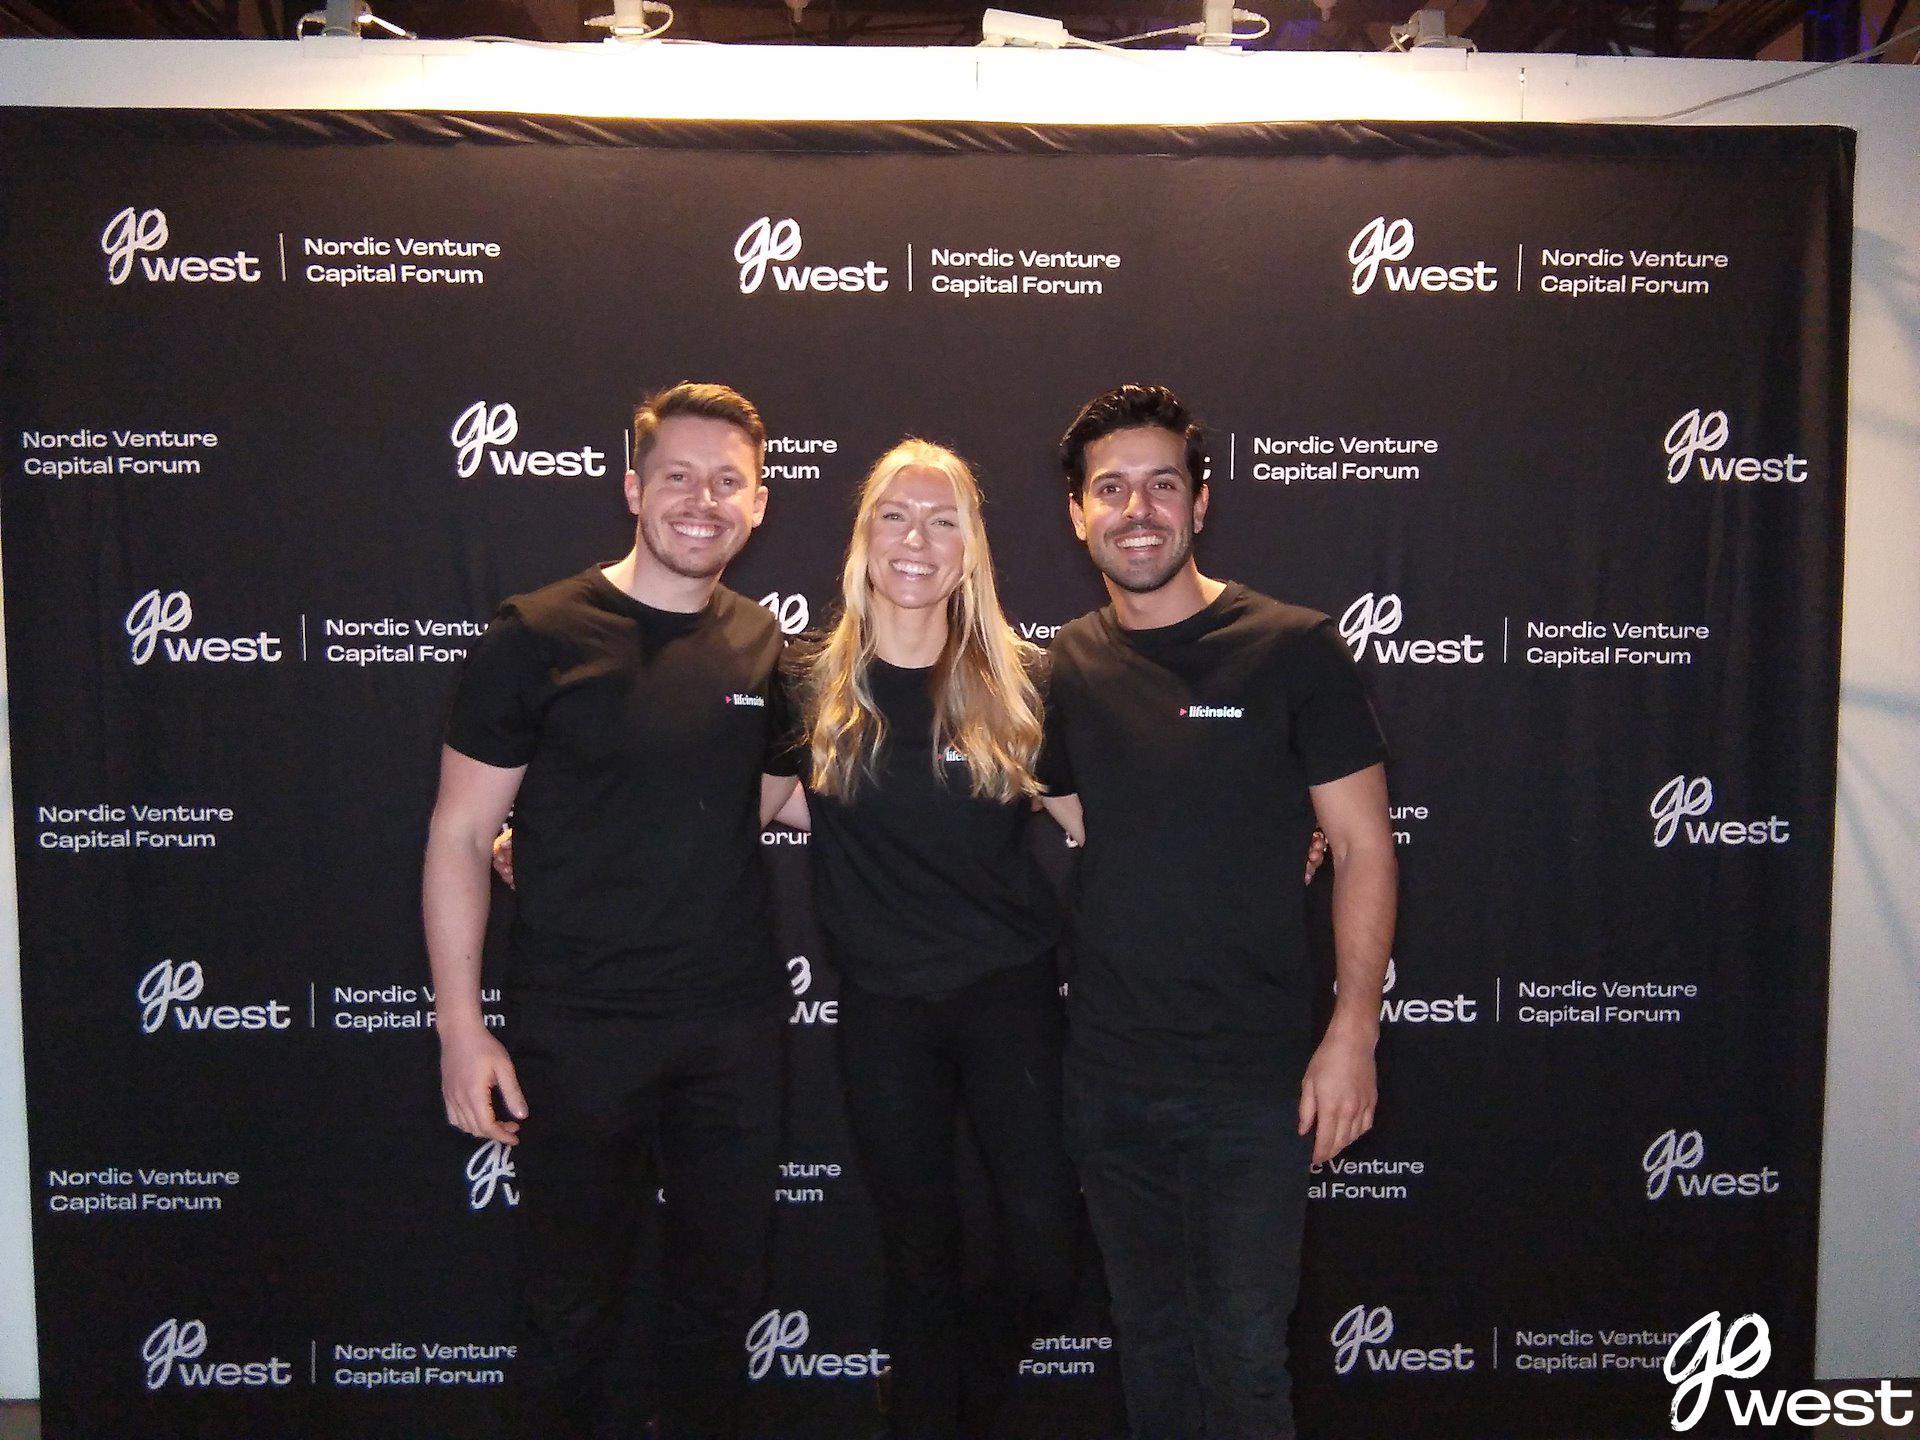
column 1337, row 1096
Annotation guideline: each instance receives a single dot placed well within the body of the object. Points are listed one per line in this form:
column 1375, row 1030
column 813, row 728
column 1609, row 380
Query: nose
column 704, row 492
column 1138, row 506
column 916, row 537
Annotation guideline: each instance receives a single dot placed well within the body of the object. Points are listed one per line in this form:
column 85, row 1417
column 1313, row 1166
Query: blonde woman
column 923, row 719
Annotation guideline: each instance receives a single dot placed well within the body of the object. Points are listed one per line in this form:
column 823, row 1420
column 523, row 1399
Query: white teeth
column 695, row 532
column 1140, row 542
column 907, row 567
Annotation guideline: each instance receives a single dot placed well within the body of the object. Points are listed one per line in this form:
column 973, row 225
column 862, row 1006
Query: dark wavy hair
column 1127, row 407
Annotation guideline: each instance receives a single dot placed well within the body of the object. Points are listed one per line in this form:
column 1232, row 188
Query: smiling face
column 1140, row 508
column 916, row 541
column 698, row 496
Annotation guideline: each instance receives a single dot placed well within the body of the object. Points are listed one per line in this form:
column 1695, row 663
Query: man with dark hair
column 632, row 718
column 1204, row 728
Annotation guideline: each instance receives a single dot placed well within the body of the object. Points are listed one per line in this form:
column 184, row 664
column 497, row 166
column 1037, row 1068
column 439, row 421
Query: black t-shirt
column 920, row 888
column 1191, row 748
column 637, row 827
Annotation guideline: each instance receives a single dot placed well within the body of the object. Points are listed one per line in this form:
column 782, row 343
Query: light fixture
column 1427, row 30
column 343, row 19
column 629, row 23
column 1214, row 29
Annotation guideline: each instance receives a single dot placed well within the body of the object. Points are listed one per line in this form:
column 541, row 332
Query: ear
column 1200, row 508
column 1078, row 516
column 759, row 502
column 632, row 487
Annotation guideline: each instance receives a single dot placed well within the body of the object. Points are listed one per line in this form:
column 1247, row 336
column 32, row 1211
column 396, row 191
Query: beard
column 660, row 542
column 1107, row 558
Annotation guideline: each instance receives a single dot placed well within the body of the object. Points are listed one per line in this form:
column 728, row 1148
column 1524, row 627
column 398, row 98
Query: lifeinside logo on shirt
column 1212, row 712
column 736, row 698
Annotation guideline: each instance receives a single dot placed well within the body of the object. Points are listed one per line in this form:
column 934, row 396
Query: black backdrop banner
column 1551, row 418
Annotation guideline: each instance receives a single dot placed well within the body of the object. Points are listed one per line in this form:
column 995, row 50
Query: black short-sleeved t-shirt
column 919, row 887
column 644, row 734
column 1191, row 748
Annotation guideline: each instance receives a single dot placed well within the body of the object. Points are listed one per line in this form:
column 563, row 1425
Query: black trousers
column 617, row 1105
column 910, row 1067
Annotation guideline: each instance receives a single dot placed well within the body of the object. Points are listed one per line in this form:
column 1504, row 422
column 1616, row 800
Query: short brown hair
column 715, row 402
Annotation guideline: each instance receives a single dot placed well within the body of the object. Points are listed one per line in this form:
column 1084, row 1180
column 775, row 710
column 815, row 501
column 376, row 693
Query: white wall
column 1869, row 1321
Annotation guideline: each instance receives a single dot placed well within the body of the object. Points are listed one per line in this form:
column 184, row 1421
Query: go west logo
column 783, row 1337
column 765, row 246
column 482, row 431
column 157, row 619
column 805, row 1011
column 1697, row 439
column 1721, row 1355
column 164, row 992
column 1375, row 617
column 790, row 610
column 1363, row 1332
column 173, row 1351
column 1457, row 1009
column 1376, row 253
column 1676, row 804
column 490, row 1173
column 1674, row 1159
column 141, row 235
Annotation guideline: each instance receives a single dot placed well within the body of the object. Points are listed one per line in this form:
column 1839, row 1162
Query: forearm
column 782, row 802
column 455, row 893
column 1067, row 814
column 1365, row 898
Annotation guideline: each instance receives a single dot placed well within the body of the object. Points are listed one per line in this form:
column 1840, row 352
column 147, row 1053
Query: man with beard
column 1204, row 728
column 627, row 715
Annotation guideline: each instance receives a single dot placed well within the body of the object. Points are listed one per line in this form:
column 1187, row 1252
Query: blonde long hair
column 985, row 704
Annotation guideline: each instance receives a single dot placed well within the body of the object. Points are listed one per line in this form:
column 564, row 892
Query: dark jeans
column 618, row 1104
column 909, row 1067
column 1197, row 1200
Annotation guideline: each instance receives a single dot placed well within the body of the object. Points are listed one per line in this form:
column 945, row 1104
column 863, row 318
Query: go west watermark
column 483, row 433
column 156, row 625
column 1363, row 1335
column 791, row 611
column 1695, row 441
column 135, row 241
column 1372, row 620
column 1673, row 1161
column 173, row 1352
column 491, row 1176
column 777, row 1343
column 1381, row 247
column 1707, row 1353
column 805, row 1011
column 166, row 994
column 1678, row 809
column 1443, row 1010
column 767, row 245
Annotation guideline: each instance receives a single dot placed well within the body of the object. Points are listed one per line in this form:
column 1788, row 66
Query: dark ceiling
column 1775, row 29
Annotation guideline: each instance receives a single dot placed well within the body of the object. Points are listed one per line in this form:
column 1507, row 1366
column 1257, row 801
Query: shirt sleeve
column 1334, row 729
column 495, row 714
column 786, row 730
column 1054, row 768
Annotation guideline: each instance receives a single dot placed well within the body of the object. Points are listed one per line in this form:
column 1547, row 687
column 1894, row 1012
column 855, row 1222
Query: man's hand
column 1338, row 1095
column 470, row 1067
column 1316, row 853
column 503, row 857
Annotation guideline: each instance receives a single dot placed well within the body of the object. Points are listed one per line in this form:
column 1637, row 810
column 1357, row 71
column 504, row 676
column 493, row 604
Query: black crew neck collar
column 640, row 610
column 1198, row 623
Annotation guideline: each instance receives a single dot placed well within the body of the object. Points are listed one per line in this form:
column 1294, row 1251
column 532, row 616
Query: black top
column 1191, row 748
column 637, row 827
column 920, row 888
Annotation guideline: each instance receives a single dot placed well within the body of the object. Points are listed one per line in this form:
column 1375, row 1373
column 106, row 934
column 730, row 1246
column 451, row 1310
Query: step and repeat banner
column 1549, row 418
